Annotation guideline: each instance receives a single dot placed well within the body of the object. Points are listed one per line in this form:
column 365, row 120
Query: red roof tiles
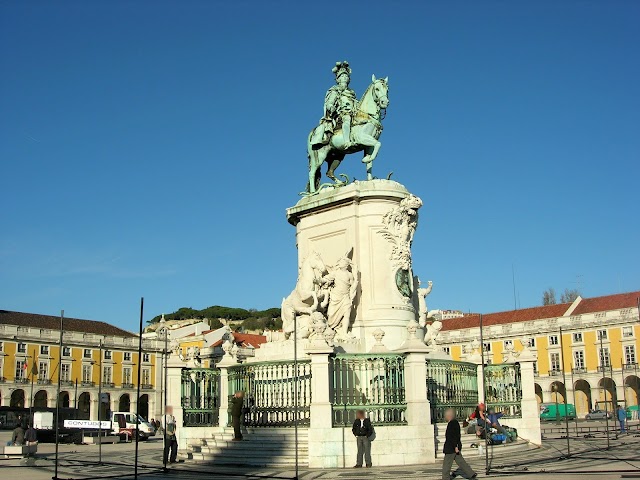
column 53, row 323
column 609, row 302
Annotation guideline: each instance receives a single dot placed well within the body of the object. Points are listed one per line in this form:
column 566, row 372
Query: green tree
column 549, row 297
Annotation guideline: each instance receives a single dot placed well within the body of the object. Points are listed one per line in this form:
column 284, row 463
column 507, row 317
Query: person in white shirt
column 170, row 439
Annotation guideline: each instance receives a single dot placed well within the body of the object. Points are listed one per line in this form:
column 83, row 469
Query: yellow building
column 587, row 350
column 95, row 356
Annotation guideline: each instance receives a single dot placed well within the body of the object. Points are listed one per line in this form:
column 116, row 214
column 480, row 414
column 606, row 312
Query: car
column 598, row 415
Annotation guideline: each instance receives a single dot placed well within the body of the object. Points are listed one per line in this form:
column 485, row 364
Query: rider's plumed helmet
column 341, row 68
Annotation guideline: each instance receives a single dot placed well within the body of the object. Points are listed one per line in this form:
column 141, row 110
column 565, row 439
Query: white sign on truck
column 106, row 425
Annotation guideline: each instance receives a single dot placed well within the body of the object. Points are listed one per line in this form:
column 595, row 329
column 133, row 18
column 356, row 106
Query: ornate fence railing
column 503, row 387
column 451, row 384
column 270, row 390
column 370, row 382
column 200, row 396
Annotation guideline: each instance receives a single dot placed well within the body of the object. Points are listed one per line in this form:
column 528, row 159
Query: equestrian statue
column 347, row 126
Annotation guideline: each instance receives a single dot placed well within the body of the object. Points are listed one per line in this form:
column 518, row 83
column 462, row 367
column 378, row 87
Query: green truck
column 553, row 411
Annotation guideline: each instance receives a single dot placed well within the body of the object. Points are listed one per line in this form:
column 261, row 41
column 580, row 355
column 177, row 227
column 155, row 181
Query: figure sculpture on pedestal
column 347, row 126
column 431, row 337
column 344, row 286
column 422, row 299
column 304, row 299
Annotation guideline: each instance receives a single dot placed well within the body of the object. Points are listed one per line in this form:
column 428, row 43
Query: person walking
column 453, row 450
column 236, row 414
column 170, row 453
column 622, row 417
column 362, row 430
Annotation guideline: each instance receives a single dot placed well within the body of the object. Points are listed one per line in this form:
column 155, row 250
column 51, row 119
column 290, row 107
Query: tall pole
column 55, row 474
column 606, row 410
column 138, row 389
column 564, row 381
column 484, row 396
column 75, row 397
column 33, row 374
column 295, row 393
column 164, row 409
column 100, row 408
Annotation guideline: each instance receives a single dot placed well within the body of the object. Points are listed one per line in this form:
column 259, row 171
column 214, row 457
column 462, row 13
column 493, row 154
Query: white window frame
column 20, row 372
column 65, row 372
column 629, row 329
column 105, row 378
column 578, row 337
column 145, row 376
column 87, row 368
column 447, row 350
column 44, row 349
column 604, row 357
column 43, row 369
column 554, row 340
column 532, row 342
column 555, row 356
column 108, row 355
column 66, row 351
column 486, row 346
column 84, row 354
column 127, row 375
column 146, row 357
column 127, row 356
column 602, row 334
column 630, row 354
column 23, row 349
column 578, row 360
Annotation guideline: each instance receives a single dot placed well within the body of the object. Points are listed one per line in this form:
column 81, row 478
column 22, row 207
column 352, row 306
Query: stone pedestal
column 351, row 219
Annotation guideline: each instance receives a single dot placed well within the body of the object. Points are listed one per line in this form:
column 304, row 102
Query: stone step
column 279, row 443
column 242, row 458
column 265, row 451
column 501, row 449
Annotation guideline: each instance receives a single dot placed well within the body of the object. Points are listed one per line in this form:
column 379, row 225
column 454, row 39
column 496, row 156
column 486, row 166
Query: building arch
column 607, row 393
column 17, row 398
column 124, row 404
column 63, row 398
column 143, row 406
column 582, row 393
column 40, row 399
column 539, row 394
column 84, row 406
column 558, row 392
column 631, row 390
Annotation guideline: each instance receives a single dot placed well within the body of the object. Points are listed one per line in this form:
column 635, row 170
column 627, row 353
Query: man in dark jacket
column 17, row 436
column 452, row 450
column 363, row 430
column 236, row 414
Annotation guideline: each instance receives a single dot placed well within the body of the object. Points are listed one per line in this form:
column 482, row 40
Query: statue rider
column 339, row 105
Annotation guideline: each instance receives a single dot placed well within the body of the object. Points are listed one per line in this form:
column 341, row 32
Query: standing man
column 362, row 429
column 452, row 450
column 170, row 439
column 622, row 417
column 236, row 414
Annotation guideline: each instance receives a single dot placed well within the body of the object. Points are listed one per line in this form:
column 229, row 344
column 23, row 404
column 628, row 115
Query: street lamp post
column 555, row 396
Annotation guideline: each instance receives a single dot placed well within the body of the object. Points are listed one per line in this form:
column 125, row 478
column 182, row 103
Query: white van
column 124, row 423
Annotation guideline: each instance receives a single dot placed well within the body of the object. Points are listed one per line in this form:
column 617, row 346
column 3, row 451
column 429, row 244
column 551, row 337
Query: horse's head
column 380, row 91
column 314, row 261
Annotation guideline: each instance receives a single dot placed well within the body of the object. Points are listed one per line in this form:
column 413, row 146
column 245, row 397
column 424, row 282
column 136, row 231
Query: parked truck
column 124, row 424
column 557, row 411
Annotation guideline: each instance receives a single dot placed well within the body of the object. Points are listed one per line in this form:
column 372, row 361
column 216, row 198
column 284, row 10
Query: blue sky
column 150, row 148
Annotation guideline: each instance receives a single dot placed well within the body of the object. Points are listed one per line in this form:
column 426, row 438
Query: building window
column 627, row 332
column 107, row 354
column 535, row 368
column 127, row 357
column 602, row 334
column 630, row 354
column 487, row 346
column 22, row 347
column 508, row 344
column 555, row 362
column 43, row 371
column 578, row 359
column 106, row 374
column 21, row 370
column 87, row 353
column 44, row 349
column 605, row 358
column 65, row 372
column 1, row 346
column 447, row 350
column 532, row 342
column 126, row 375
column 146, row 357
column 66, row 351
column 87, row 373
column 577, row 337
column 553, row 339
column 146, row 376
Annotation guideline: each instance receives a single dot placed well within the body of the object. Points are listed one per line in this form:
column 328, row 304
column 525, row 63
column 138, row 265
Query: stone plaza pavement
column 81, row 462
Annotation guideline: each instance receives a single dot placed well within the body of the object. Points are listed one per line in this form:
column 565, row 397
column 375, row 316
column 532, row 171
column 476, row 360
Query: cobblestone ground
column 589, row 456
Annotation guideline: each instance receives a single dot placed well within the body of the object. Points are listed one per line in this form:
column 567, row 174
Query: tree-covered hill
column 251, row 319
